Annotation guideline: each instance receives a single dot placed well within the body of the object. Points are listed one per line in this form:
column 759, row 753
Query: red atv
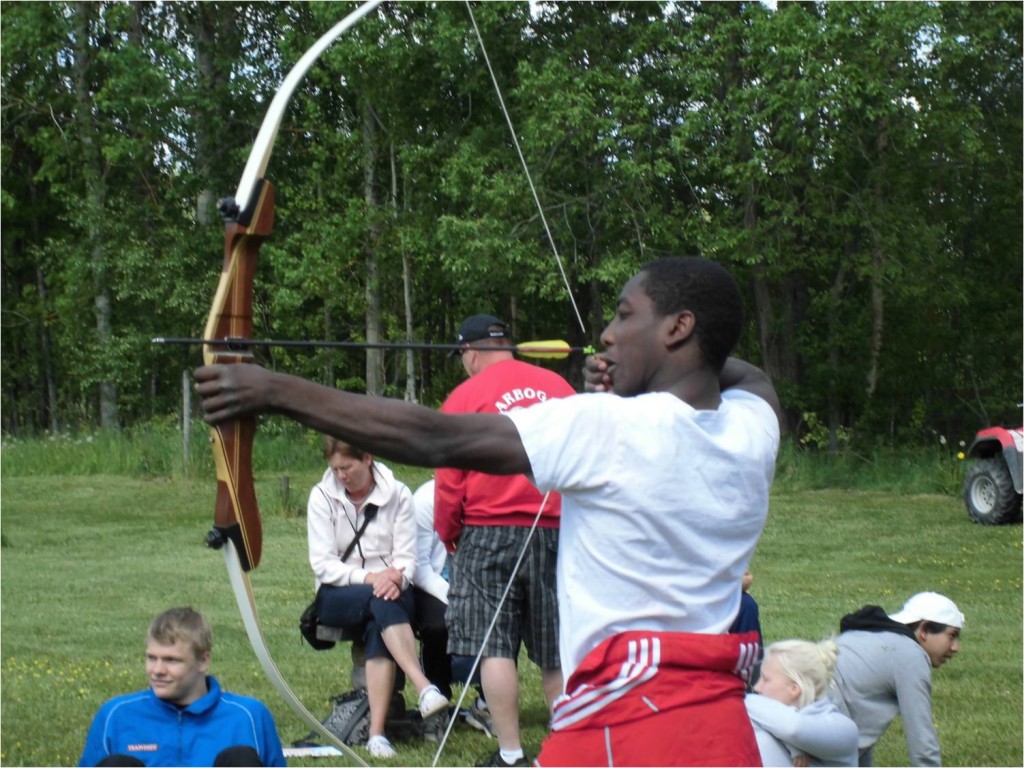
column 992, row 483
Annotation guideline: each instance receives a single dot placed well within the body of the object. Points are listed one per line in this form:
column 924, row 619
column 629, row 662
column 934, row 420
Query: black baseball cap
column 477, row 328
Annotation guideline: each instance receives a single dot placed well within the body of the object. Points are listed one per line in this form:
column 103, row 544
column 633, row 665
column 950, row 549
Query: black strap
column 368, row 514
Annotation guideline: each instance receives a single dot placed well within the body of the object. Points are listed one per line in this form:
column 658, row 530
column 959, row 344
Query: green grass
column 88, row 559
column 155, row 449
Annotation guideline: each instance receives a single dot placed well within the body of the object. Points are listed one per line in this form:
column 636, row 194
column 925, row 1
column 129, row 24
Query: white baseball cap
column 930, row 606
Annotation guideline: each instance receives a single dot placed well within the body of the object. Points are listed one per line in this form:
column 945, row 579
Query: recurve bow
column 249, row 218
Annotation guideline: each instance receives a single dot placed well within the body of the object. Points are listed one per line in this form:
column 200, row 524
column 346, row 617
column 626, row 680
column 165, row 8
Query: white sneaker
column 379, row 746
column 431, row 701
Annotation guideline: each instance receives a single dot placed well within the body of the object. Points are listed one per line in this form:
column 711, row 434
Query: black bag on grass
column 349, row 720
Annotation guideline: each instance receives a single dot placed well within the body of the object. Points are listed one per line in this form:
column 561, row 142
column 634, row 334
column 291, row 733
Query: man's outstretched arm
column 392, row 429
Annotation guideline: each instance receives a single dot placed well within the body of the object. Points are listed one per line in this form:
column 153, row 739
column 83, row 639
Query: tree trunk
column 410, row 359
column 374, row 357
column 328, row 335
column 877, row 268
column 877, row 318
column 777, row 310
column 95, row 197
column 834, row 416
column 46, row 351
column 210, row 80
column 45, row 337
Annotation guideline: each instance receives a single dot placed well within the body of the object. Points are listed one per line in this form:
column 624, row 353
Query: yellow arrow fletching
column 546, row 350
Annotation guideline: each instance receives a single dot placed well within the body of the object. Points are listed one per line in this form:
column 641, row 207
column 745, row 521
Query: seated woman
column 794, row 722
column 362, row 547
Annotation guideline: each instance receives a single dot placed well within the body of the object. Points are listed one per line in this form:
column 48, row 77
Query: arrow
column 553, row 349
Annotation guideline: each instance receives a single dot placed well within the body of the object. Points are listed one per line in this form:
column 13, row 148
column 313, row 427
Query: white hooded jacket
column 389, row 539
column 431, row 556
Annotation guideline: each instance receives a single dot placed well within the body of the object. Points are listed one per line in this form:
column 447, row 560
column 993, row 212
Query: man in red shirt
column 485, row 520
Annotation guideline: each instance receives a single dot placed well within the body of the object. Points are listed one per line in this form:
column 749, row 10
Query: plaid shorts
column 481, row 567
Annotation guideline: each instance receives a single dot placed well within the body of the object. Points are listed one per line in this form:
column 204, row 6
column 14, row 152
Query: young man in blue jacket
column 184, row 718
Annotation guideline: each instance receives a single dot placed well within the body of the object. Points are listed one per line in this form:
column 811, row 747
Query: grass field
column 88, row 559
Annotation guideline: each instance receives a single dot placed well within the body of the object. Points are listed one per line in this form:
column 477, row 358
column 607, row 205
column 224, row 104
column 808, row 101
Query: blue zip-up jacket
column 159, row 733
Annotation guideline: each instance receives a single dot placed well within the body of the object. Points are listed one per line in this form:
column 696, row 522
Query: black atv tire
column 989, row 493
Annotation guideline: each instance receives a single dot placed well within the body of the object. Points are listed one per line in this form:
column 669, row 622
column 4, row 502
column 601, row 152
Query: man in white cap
column 884, row 669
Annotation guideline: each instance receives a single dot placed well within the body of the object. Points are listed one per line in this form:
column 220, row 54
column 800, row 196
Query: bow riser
column 236, row 515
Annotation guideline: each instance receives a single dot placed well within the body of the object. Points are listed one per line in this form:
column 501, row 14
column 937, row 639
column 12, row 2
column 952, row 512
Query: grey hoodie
column 882, row 672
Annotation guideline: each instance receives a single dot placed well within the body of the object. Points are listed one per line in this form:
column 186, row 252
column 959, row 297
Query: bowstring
column 526, row 170
column 579, row 318
column 490, row 628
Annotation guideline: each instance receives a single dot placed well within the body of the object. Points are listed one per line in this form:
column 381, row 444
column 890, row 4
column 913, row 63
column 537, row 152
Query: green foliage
column 810, row 465
column 149, row 452
column 816, row 434
column 155, row 449
column 857, row 165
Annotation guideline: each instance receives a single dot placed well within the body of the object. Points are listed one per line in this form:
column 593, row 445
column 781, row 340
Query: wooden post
column 186, row 417
column 284, row 494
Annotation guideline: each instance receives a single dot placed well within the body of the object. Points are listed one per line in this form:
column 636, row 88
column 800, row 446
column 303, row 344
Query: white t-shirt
column 662, row 508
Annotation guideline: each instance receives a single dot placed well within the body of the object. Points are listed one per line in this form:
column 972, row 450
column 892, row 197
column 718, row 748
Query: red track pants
column 656, row 699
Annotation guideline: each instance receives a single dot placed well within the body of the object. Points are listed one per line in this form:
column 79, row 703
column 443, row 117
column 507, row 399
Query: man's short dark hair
column 930, row 627
column 706, row 289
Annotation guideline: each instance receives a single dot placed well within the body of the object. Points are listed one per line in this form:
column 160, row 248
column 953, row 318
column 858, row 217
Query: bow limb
column 236, row 518
column 256, row 165
column 247, row 607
